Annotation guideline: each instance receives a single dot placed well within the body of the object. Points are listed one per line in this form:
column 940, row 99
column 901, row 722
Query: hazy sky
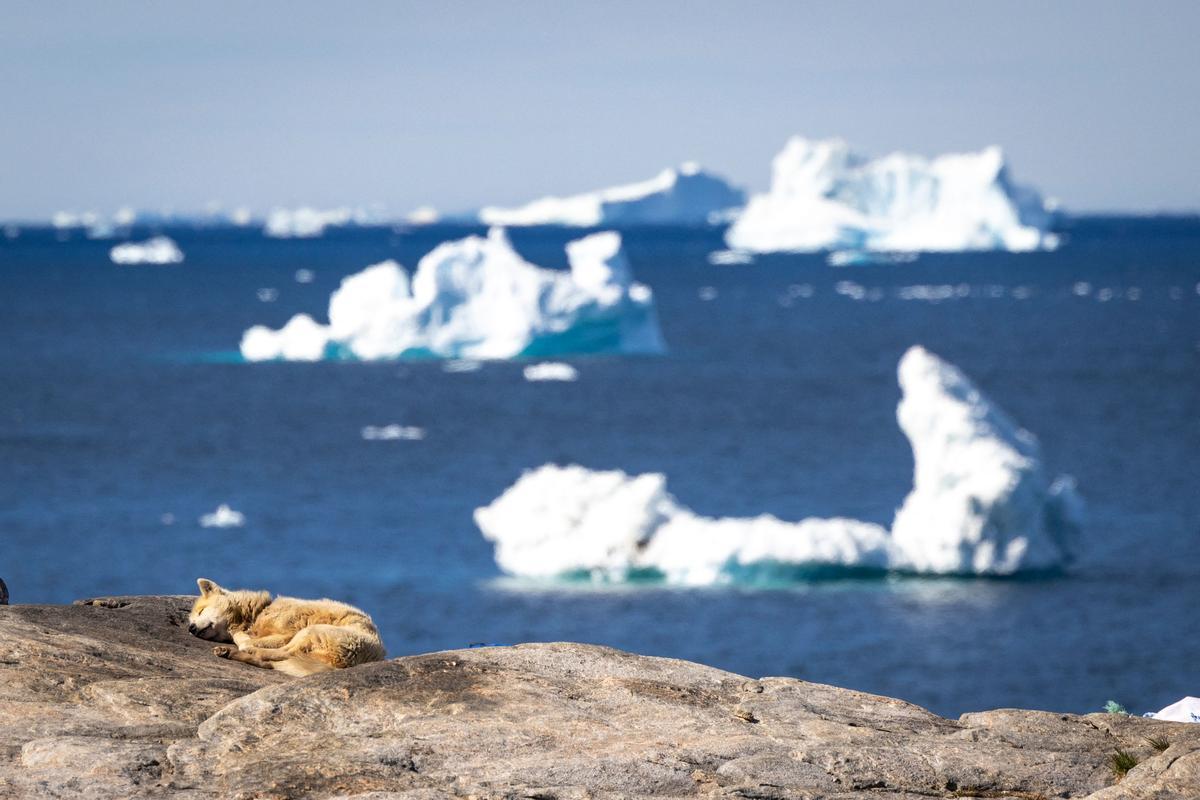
column 171, row 105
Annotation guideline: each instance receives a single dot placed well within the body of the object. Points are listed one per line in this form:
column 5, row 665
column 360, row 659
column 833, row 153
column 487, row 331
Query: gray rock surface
column 114, row 699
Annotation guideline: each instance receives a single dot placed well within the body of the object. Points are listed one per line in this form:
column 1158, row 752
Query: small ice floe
column 1022, row 293
column 1133, row 293
column 167, row 519
column 223, row 517
column 159, row 250
column 1175, row 293
column 794, row 292
column 551, row 371
column 1081, row 289
column 1105, row 294
column 305, row 222
column 267, row 294
column 1185, row 710
column 707, row 293
column 462, row 365
column 934, row 294
column 391, row 433
column 855, row 291
column 725, row 258
column 858, row 258
column 305, row 276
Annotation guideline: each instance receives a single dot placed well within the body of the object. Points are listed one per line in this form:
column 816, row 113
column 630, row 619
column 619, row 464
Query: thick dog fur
column 296, row 637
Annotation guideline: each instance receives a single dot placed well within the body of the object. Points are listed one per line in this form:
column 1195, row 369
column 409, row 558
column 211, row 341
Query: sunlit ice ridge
column 981, row 504
column 823, row 196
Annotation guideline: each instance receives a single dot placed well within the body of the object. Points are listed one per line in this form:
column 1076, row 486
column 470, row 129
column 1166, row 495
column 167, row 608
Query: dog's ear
column 208, row 587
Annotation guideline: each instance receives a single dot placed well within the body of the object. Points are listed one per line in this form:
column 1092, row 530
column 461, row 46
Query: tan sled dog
column 296, row 637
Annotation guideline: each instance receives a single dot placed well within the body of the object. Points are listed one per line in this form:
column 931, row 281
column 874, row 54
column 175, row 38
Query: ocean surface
column 126, row 414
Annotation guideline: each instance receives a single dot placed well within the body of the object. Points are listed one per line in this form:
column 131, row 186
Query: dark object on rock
column 3, row 593
column 114, row 698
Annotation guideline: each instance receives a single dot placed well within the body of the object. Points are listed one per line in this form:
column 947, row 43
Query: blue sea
column 126, row 414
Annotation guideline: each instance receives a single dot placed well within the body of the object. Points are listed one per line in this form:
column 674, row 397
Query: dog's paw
column 224, row 651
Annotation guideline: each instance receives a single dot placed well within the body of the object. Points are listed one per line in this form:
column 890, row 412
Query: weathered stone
column 115, row 699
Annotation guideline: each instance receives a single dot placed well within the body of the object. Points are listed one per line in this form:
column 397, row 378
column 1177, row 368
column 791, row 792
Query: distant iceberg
column 476, row 298
column 980, row 505
column 824, row 196
column 159, row 250
column 687, row 195
column 306, row 222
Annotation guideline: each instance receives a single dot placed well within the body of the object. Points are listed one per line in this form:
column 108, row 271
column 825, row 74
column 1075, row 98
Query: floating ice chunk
column 707, row 293
column 980, row 505
column 305, row 276
column 730, row 257
column 1082, row 288
column 267, row 294
column 825, row 196
column 223, row 517
column 686, row 195
column 301, row 339
column 564, row 520
column 934, row 293
column 384, row 433
column 1185, row 710
column 551, row 371
column 854, row 291
column 477, row 298
column 159, row 250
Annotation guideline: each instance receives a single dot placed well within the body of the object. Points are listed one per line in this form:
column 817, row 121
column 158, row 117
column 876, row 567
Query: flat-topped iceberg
column 980, row 505
column 687, row 195
column 824, row 196
column 476, row 298
column 158, row 250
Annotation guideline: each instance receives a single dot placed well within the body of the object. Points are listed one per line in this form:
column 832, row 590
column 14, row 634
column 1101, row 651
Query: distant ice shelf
column 981, row 504
column 825, row 196
column 158, row 250
column 686, row 195
column 476, row 298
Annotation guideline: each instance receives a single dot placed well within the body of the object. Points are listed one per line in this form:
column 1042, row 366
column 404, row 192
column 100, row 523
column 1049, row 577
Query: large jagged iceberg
column 687, row 195
column 824, row 196
column 477, row 298
column 980, row 505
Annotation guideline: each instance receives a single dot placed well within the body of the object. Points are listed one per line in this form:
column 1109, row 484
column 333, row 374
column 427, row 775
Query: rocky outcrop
column 113, row 698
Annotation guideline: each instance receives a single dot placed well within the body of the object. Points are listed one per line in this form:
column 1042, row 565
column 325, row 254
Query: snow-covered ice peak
column 824, row 196
column 980, row 502
column 686, row 195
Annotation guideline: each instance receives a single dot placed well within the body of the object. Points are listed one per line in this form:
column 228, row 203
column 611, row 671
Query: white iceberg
column 980, row 505
column 729, row 258
column 423, row 215
column 476, row 298
column 981, row 502
column 687, row 195
column 223, row 517
column 1185, row 710
column 159, row 250
column 550, row 371
column 824, row 196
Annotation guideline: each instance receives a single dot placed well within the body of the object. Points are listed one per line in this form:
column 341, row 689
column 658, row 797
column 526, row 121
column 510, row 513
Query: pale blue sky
column 459, row 104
